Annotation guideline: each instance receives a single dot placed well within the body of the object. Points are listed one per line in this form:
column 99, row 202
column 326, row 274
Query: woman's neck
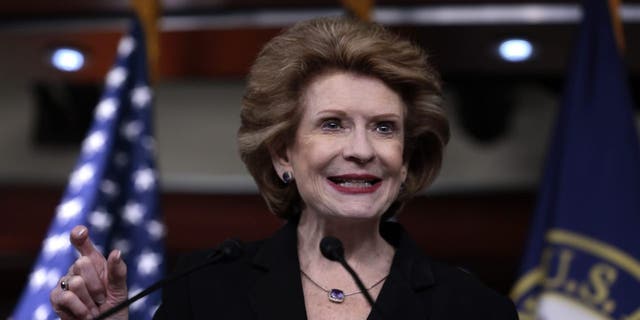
column 365, row 249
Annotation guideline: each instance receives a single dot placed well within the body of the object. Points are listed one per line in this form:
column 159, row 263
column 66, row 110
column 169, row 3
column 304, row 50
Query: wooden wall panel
column 211, row 53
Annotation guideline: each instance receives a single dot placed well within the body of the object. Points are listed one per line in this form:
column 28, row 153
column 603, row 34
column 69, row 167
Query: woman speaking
column 341, row 124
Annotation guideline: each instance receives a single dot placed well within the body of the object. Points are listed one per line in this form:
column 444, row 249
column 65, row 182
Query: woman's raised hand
column 93, row 284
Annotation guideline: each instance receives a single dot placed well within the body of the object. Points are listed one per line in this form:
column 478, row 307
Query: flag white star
column 133, row 213
column 116, row 76
column 144, row 179
column 106, row 109
column 81, row 176
column 132, row 130
column 109, row 188
column 38, row 278
column 141, row 96
column 155, row 229
column 55, row 243
column 140, row 303
column 69, row 209
column 94, row 142
column 52, row 278
column 100, row 220
column 126, row 46
column 148, row 263
column 123, row 245
column 153, row 309
column 149, row 143
column 42, row 312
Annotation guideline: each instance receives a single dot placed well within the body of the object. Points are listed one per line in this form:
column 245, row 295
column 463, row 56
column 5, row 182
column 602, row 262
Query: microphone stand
column 359, row 283
column 229, row 249
column 333, row 250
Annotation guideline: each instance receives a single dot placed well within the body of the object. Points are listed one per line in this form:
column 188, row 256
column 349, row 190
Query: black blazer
column 265, row 284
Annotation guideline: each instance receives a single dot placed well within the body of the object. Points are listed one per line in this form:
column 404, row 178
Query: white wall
column 196, row 123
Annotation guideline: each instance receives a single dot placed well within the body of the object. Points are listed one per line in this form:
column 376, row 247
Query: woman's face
column 347, row 154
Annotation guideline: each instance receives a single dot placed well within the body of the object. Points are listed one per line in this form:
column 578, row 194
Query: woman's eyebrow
column 387, row 115
column 342, row 112
column 331, row 112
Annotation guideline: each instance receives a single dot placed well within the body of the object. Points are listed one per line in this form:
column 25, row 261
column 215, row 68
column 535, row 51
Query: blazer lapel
column 403, row 293
column 277, row 293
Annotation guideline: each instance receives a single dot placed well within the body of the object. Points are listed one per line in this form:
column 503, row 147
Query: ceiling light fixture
column 67, row 59
column 515, row 50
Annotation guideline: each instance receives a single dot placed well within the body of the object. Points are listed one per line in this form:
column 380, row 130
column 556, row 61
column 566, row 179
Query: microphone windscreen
column 331, row 248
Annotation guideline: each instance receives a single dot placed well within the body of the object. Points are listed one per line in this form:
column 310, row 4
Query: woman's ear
column 404, row 172
column 280, row 161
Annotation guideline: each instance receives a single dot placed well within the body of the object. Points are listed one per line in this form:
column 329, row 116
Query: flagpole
column 616, row 24
column 148, row 11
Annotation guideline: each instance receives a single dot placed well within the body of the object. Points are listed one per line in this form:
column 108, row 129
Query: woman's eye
column 385, row 127
column 331, row 124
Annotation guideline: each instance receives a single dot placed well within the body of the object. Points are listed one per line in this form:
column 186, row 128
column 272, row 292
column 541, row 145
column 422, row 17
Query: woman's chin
column 332, row 204
column 358, row 214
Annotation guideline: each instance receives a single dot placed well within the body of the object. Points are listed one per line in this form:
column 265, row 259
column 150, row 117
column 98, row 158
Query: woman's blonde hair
column 271, row 104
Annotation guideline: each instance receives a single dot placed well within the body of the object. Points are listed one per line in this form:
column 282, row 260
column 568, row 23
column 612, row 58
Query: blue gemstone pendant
column 336, row 295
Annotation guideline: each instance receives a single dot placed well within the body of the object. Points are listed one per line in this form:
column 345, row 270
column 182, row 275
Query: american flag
column 113, row 190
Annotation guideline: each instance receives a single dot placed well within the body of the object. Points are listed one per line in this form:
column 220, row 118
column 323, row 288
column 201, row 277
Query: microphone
column 333, row 250
column 229, row 250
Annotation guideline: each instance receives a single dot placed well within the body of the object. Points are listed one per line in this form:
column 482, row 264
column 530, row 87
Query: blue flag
column 582, row 259
column 113, row 190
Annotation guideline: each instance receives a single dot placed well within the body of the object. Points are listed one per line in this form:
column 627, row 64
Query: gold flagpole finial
column 616, row 23
column 148, row 12
column 361, row 9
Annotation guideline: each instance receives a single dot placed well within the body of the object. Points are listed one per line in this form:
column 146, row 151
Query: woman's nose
column 358, row 147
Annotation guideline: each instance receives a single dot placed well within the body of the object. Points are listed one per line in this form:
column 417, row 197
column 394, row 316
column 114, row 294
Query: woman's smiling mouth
column 355, row 183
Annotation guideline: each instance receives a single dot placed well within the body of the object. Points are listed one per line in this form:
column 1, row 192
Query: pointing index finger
column 80, row 239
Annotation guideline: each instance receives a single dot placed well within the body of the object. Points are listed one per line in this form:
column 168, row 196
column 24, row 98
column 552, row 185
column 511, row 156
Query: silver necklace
column 337, row 295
